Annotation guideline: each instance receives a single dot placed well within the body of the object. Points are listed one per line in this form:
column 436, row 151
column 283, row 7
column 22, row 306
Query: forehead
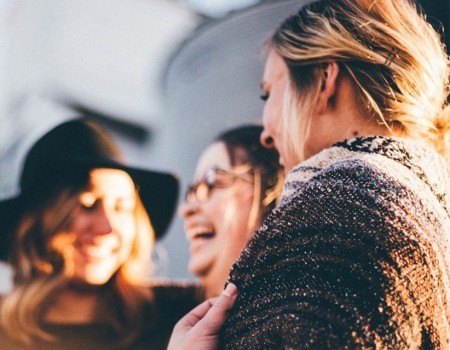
column 215, row 155
column 111, row 181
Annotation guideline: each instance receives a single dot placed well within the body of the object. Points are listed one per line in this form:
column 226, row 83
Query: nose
column 266, row 140
column 188, row 208
column 101, row 221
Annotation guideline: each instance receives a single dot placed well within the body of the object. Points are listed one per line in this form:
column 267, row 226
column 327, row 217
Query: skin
column 103, row 229
column 335, row 117
column 218, row 230
column 200, row 328
column 274, row 86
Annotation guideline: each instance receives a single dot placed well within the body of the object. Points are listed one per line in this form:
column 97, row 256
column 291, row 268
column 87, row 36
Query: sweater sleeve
column 342, row 265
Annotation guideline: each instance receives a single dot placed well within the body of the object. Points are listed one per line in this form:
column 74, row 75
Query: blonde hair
column 394, row 57
column 41, row 270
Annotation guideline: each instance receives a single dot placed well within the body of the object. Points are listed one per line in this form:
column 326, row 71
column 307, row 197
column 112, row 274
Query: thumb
column 218, row 313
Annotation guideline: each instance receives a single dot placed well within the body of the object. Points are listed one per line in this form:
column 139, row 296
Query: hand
column 199, row 329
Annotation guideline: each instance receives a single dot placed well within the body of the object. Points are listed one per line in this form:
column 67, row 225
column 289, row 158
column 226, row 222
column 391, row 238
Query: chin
column 84, row 285
column 198, row 268
column 98, row 281
column 93, row 278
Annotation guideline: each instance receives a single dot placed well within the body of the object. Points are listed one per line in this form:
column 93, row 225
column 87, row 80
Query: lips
column 200, row 232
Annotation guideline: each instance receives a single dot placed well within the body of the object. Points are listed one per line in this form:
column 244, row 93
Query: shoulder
column 177, row 291
column 358, row 181
column 350, row 172
column 340, row 247
column 176, row 297
column 171, row 301
column 380, row 165
column 338, row 187
column 6, row 342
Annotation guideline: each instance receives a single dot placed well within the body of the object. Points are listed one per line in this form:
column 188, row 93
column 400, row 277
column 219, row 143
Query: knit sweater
column 356, row 256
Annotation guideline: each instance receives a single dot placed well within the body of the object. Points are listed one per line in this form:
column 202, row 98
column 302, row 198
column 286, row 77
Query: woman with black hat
column 79, row 238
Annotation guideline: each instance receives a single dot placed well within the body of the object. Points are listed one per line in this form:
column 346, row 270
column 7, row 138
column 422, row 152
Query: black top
column 171, row 301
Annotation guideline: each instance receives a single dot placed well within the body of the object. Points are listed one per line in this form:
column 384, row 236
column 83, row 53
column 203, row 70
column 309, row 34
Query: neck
column 75, row 305
column 214, row 283
column 342, row 119
column 349, row 119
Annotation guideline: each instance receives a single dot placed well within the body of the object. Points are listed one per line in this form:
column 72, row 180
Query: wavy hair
column 40, row 259
column 394, row 57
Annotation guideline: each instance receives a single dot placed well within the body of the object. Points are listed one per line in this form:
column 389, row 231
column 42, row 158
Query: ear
column 329, row 72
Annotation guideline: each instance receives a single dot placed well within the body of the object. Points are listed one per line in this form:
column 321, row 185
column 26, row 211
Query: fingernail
column 230, row 290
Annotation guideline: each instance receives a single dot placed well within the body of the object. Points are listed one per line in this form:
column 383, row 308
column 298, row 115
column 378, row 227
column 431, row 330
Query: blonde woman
column 81, row 234
column 356, row 256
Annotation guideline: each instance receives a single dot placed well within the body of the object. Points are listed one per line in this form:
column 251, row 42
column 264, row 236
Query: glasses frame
column 201, row 190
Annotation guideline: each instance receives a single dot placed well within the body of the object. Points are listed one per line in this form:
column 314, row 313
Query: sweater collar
column 417, row 156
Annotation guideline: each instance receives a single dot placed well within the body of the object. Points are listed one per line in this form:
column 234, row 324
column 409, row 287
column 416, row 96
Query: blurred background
column 163, row 76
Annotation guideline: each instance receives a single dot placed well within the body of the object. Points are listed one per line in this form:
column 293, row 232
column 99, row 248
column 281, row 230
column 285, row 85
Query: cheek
column 127, row 231
column 215, row 205
column 223, row 211
column 78, row 223
column 220, row 214
column 271, row 117
column 238, row 218
column 274, row 106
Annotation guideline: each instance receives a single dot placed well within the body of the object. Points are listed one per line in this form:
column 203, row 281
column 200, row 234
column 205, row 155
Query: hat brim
column 158, row 192
column 9, row 214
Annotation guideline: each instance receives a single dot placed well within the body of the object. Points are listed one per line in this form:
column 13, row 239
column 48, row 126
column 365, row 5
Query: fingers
column 200, row 327
column 196, row 314
column 227, row 298
column 218, row 312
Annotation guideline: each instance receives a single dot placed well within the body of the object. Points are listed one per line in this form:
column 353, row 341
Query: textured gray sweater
column 355, row 257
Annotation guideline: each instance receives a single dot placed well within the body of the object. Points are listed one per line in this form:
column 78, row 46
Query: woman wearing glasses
column 236, row 183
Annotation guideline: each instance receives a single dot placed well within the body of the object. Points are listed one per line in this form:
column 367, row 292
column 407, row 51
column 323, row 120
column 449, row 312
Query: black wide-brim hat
column 66, row 152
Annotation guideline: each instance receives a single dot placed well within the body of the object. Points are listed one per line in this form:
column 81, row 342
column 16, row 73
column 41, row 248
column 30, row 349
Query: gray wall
column 163, row 109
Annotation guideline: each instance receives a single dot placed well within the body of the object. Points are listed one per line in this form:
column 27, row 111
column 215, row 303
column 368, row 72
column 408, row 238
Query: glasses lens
column 202, row 193
column 214, row 178
column 198, row 191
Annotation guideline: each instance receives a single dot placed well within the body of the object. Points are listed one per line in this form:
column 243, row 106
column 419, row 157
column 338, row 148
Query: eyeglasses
column 216, row 178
